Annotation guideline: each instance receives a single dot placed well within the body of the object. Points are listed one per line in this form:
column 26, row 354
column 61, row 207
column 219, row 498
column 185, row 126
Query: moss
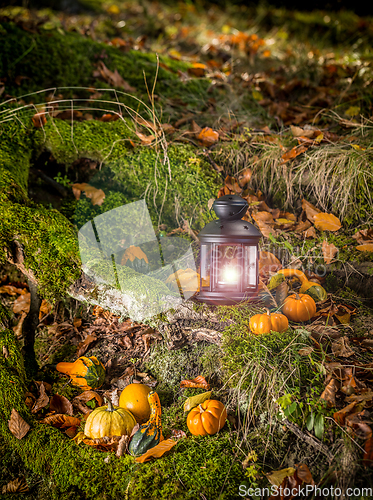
column 66, row 59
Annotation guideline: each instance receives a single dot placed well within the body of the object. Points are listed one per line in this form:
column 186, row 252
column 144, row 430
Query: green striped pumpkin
column 149, row 434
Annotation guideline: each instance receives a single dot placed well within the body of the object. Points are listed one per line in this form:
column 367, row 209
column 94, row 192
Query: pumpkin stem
column 267, row 311
column 200, row 408
column 110, row 406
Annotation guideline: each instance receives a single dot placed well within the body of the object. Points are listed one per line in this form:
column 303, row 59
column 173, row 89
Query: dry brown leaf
column 18, row 328
column 146, row 140
column 367, row 247
column 310, row 233
column 45, row 309
column 197, row 69
column 42, row 400
column 327, row 222
column 232, row 184
column 97, row 196
column 368, row 452
column 61, row 421
column 60, row 404
column 329, row 251
column 22, row 303
column 12, row 290
column 364, row 236
column 244, row 177
column 341, row 347
column 340, row 416
column 198, row 382
column 293, row 153
column 88, row 396
column 122, row 445
column 83, row 346
column 113, row 78
column 268, row 264
column 17, row 426
column 358, row 398
column 208, row 137
column 39, row 119
column 309, row 209
column 17, row 485
column 330, row 391
column 158, row 451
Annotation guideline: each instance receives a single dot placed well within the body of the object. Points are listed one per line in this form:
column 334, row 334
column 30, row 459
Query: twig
column 62, row 191
column 318, row 445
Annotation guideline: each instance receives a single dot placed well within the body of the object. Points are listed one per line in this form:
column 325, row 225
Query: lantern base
column 218, row 298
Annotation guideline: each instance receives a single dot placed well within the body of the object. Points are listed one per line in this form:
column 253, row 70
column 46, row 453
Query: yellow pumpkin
column 265, row 323
column 109, row 421
column 134, row 398
column 299, row 307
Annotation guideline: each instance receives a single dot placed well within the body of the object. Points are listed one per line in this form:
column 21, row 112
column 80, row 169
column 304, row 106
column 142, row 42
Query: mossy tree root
column 45, row 450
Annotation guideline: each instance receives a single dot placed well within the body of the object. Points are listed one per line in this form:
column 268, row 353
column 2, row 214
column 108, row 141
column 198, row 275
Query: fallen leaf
column 198, row 382
column 42, row 400
column 368, row 452
column 330, row 391
column 45, row 309
column 61, row 421
column 305, row 351
column 145, row 139
column 12, row 290
column 122, row 446
column 327, row 222
column 113, row 78
column 281, row 293
column 97, row 196
column 310, row 233
column 363, row 236
column 367, row 247
column 17, row 426
column 340, row 416
column 276, row 477
column 197, row 69
column 208, row 136
column 157, row 451
column 22, row 303
column 293, row 153
column 244, row 177
column 310, row 210
column 17, row 485
column 341, row 347
column 60, row 404
column 88, row 396
column 17, row 329
column 39, row 119
column 83, row 346
column 268, row 264
column 329, row 251
column 194, row 401
column 304, row 473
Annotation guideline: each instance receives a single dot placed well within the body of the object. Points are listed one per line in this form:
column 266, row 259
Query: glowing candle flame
column 230, row 274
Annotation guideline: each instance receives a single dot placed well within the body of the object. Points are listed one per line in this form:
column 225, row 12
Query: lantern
column 229, row 254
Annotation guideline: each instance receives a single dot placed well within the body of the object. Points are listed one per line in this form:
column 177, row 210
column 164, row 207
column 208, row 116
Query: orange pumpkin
column 299, row 307
column 265, row 323
column 134, row 398
column 207, row 418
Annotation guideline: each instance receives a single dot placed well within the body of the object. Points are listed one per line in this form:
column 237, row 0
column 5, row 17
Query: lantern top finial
column 230, row 207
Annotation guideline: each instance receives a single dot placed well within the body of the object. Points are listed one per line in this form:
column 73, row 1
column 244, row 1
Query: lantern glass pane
column 228, row 266
column 251, row 259
column 205, row 265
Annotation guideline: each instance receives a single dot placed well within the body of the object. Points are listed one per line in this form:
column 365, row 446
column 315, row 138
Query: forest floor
column 270, row 104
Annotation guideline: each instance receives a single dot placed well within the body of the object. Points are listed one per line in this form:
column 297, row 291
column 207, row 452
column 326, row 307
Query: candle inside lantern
column 230, row 274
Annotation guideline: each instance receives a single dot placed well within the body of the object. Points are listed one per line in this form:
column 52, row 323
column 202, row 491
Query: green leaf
column 290, row 409
column 194, row 401
column 319, row 425
column 310, row 421
column 284, row 401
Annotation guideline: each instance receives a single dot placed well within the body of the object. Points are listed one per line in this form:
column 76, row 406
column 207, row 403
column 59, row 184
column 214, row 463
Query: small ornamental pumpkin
column 299, row 307
column 150, row 433
column 207, row 418
column 135, row 258
column 109, row 421
column 314, row 290
column 134, row 398
column 265, row 323
column 86, row 373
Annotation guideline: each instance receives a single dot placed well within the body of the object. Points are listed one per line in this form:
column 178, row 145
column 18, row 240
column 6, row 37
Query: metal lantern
column 229, row 254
